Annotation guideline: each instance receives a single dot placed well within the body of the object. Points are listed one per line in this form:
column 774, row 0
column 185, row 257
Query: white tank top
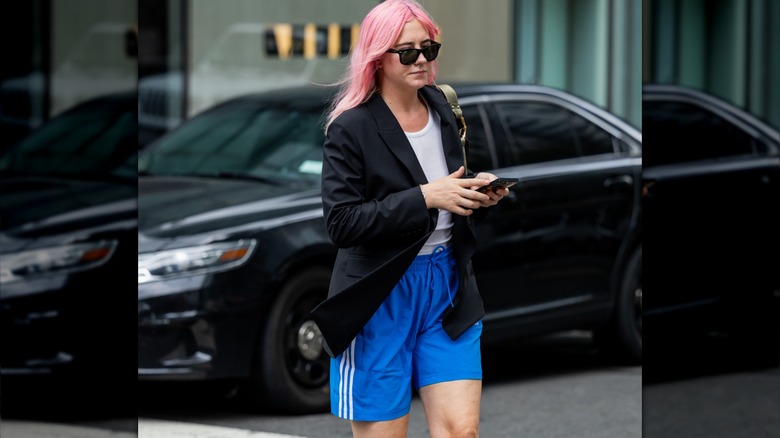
column 428, row 147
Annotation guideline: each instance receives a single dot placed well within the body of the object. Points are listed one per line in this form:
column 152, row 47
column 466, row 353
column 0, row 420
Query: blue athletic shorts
column 405, row 346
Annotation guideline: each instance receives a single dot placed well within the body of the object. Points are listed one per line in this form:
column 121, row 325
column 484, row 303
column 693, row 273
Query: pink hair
column 378, row 32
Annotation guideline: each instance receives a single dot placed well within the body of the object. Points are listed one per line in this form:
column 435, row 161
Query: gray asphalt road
column 715, row 388
column 732, row 405
column 554, row 387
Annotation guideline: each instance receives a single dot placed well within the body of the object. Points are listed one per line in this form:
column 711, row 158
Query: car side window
column 479, row 155
column 678, row 132
column 591, row 138
column 538, row 132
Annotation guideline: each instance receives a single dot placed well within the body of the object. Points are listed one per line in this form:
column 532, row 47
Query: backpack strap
column 452, row 98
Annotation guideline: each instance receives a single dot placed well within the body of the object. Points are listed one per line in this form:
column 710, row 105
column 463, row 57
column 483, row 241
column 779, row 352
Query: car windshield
column 265, row 143
column 97, row 139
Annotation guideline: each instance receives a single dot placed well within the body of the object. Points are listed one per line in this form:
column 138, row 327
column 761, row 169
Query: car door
column 711, row 190
column 551, row 244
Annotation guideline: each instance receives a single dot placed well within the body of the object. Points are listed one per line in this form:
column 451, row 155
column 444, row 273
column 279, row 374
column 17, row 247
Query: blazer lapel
column 394, row 137
column 453, row 152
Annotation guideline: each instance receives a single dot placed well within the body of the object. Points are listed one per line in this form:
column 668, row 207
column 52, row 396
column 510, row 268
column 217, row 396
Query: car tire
column 290, row 372
column 621, row 339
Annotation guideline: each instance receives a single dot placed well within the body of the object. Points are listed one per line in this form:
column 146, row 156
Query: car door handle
column 647, row 188
column 625, row 180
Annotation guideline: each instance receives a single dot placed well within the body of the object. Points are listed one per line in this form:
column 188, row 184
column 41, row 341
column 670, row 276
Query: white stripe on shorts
column 346, row 378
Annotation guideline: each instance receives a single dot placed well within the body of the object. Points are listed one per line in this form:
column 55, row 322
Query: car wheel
column 291, row 369
column 622, row 337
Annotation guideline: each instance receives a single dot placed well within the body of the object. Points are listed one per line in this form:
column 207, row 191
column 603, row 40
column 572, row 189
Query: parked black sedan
column 233, row 252
column 67, row 241
column 710, row 192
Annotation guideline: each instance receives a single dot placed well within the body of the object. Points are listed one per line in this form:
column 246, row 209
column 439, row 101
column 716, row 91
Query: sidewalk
column 147, row 428
column 31, row 429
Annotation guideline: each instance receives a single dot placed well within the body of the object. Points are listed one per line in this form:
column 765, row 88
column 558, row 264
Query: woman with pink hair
column 403, row 311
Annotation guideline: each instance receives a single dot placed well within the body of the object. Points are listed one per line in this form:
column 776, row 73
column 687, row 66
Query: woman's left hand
column 496, row 195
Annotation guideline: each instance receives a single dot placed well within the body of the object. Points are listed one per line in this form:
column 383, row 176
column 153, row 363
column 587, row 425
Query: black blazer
column 375, row 213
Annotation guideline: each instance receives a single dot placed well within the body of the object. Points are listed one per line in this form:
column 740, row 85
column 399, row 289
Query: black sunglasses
column 409, row 56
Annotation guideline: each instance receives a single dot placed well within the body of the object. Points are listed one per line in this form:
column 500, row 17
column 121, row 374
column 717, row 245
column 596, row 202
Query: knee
column 468, row 433
column 462, row 431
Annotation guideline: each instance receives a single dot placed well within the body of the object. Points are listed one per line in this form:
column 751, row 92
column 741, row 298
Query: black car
column 710, row 192
column 233, row 251
column 67, row 238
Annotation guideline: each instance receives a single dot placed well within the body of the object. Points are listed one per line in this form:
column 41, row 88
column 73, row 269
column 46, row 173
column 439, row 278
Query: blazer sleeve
column 388, row 209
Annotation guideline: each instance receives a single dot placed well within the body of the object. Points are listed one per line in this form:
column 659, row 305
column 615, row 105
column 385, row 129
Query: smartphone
column 498, row 183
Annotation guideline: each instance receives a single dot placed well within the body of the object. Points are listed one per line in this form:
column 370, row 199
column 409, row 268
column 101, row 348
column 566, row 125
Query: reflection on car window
column 681, row 132
column 539, row 132
column 97, row 137
column 591, row 139
column 275, row 142
column 479, row 158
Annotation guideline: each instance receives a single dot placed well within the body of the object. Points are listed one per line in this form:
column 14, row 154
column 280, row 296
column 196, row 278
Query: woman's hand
column 495, row 195
column 458, row 195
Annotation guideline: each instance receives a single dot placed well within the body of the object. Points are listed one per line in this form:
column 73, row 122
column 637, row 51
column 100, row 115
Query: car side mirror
column 131, row 42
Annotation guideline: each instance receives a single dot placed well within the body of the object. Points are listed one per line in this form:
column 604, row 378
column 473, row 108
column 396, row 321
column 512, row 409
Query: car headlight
column 194, row 260
column 26, row 265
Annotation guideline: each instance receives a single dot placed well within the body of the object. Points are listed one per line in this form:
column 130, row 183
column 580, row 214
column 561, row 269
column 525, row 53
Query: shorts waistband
column 440, row 253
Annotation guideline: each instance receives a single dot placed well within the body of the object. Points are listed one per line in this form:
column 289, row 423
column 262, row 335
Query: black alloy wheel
column 291, row 369
column 622, row 337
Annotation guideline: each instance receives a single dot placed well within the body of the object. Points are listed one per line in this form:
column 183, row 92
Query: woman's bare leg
column 452, row 408
column 396, row 428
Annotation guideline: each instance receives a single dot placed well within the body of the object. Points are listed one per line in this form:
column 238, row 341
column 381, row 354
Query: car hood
column 43, row 210
column 178, row 211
